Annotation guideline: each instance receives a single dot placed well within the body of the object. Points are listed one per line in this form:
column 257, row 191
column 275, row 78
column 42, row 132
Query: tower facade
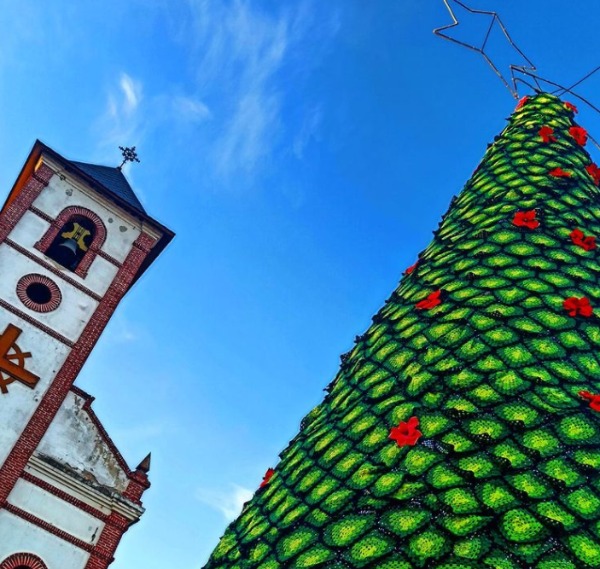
column 73, row 240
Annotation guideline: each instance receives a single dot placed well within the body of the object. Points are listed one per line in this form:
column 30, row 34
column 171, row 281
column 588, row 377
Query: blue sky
column 303, row 152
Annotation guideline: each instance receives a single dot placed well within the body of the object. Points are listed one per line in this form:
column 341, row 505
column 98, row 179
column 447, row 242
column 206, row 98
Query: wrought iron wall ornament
column 12, row 361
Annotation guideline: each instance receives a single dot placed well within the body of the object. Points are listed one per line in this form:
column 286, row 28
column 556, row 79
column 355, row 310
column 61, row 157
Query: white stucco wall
column 69, row 319
column 76, row 307
column 48, row 473
column 122, row 230
column 20, row 536
column 74, row 440
column 55, row 511
column 31, row 228
column 17, row 406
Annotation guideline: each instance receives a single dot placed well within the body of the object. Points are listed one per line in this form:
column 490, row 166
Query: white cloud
column 242, row 50
column 129, row 117
column 190, row 109
column 120, row 123
column 123, row 330
column 132, row 93
column 228, row 502
column 112, row 110
column 308, row 131
column 248, row 135
column 247, row 60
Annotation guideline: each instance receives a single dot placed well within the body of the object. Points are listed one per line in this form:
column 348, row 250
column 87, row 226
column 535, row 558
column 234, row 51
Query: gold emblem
column 12, row 361
column 78, row 234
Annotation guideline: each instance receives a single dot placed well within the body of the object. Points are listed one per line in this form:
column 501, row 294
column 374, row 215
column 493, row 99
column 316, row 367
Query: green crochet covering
column 506, row 472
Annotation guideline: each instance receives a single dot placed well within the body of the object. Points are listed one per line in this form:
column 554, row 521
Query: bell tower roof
column 107, row 181
column 113, row 180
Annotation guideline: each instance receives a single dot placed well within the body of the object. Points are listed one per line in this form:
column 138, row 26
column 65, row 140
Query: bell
column 66, row 252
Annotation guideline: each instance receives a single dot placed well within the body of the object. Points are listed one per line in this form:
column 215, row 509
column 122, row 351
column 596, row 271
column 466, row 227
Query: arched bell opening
column 73, row 239
column 72, row 242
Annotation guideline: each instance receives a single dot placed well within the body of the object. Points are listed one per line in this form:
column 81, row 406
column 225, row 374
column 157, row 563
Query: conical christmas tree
column 463, row 429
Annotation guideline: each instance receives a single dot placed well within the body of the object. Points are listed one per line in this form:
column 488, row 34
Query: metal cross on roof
column 129, row 155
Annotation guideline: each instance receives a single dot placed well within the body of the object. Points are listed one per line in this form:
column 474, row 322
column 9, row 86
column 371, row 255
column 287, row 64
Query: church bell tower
column 73, row 239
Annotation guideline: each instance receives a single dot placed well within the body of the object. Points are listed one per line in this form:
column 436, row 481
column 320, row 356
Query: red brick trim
column 65, row 536
column 100, row 253
column 51, row 489
column 55, row 295
column 40, row 213
column 57, row 224
column 138, row 484
column 16, row 461
column 30, row 191
column 23, row 560
column 103, row 553
column 53, row 269
column 10, row 308
column 83, row 394
column 108, row 258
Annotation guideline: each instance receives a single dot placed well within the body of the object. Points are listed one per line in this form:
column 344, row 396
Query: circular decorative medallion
column 39, row 293
column 26, row 560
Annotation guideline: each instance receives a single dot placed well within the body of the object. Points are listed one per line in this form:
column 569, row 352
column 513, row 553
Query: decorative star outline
column 495, row 19
column 518, row 73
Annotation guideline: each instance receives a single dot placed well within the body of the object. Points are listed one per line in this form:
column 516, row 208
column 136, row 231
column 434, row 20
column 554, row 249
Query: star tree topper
column 494, row 19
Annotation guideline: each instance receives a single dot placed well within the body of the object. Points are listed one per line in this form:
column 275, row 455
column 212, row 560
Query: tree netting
column 463, row 429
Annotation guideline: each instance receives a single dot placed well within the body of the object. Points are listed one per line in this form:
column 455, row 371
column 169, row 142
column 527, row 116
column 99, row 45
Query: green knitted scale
column 506, row 474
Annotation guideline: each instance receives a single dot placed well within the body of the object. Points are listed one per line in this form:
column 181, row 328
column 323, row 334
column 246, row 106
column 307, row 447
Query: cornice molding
column 105, row 503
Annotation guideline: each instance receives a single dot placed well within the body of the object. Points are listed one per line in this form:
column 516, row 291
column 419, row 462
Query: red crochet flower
column 431, row 301
column 579, row 134
column 521, row 102
column 560, row 173
column 588, row 243
column 547, row 134
column 571, row 107
column 578, row 306
column 406, row 433
column 526, row 219
column 593, row 399
column 593, row 170
column 268, row 475
column 411, row 268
